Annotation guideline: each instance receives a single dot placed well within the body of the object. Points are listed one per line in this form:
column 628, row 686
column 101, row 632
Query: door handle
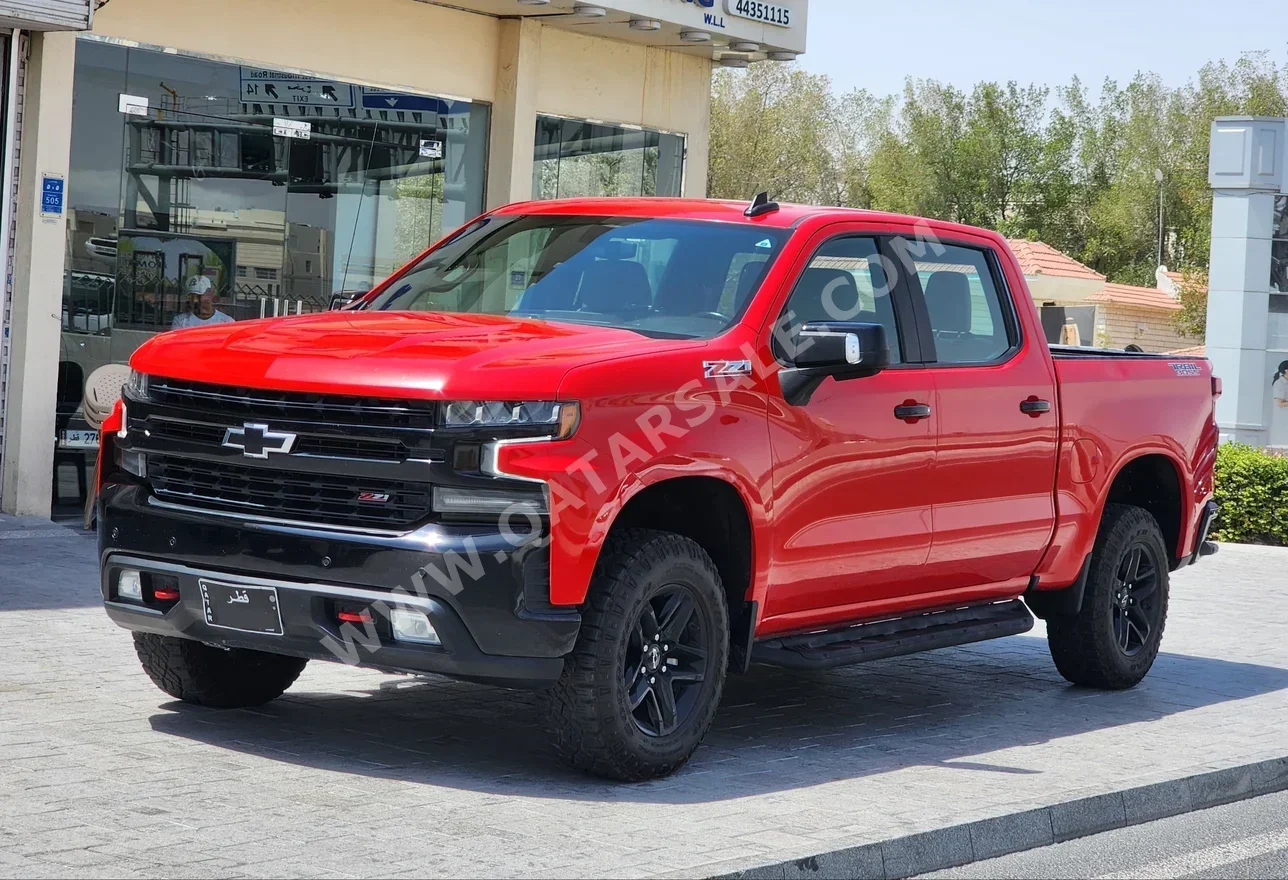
column 1035, row 407
column 912, row 412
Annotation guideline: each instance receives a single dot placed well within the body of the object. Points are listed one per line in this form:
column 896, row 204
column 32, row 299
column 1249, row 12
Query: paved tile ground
column 356, row 773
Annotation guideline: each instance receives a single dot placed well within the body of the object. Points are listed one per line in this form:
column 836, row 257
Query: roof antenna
column 760, row 205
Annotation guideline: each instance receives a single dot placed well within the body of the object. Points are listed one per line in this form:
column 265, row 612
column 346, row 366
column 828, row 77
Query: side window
column 844, row 282
column 965, row 306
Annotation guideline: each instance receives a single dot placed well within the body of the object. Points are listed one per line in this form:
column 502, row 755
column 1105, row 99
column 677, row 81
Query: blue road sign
column 52, row 195
column 378, row 99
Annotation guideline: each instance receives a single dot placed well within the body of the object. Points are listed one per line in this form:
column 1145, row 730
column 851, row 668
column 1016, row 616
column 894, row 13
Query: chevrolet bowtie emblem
column 257, row 441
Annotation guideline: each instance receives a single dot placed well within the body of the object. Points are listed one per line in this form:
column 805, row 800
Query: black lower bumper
column 486, row 599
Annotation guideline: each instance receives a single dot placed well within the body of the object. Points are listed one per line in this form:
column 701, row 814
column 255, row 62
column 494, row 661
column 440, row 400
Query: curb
column 1002, row 835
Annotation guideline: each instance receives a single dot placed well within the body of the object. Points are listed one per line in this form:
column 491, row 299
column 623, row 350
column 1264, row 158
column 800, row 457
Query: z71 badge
column 1187, row 369
column 712, row 369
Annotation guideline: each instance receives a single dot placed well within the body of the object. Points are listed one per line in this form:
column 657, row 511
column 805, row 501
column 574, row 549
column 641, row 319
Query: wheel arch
column 714, row 513
column 1155, row 481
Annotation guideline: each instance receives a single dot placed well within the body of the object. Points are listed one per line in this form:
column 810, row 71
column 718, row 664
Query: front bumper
column 487, row 600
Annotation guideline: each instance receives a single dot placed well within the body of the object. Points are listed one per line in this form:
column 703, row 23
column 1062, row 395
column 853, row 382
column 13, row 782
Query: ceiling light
column 645, row 24
column 781, row 56
column 695, row 36
column 744, row 46
column 590, row 11
column 534, row 2
column 734, row 61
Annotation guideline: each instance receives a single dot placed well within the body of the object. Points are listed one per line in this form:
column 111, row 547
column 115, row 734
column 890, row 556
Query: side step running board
column 893, row 638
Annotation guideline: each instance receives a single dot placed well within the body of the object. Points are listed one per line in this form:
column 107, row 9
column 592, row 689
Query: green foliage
column 1252, row 489
column 780, row 129
column 1053, row 164
column 1191, row 320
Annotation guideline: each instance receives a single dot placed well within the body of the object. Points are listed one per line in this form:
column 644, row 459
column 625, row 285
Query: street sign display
column 52, row 195
column 132, row 105
column 380, row 99
column 292, row 128
column 259, row 85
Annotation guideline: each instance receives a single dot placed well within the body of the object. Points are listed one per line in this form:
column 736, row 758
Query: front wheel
column 1112, row 641
column 220, row 678
column 641, row 687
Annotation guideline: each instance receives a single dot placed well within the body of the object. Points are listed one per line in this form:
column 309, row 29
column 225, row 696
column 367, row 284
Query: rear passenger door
column 993, row 507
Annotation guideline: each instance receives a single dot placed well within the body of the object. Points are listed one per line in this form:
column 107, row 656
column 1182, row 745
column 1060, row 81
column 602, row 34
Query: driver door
column 853, row 482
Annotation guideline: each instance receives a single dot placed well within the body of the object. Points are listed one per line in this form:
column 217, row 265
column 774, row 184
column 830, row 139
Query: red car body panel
column 853, row 514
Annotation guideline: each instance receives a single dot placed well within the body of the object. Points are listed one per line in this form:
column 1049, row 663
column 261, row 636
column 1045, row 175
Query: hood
column 396, row 354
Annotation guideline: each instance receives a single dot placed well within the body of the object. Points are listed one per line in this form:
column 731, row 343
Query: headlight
column 137, row 385
column 562, row 418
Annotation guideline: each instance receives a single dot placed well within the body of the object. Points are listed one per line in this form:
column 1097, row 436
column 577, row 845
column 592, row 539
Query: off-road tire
column 207, row 676
column 591, row 724
column 1083, row 645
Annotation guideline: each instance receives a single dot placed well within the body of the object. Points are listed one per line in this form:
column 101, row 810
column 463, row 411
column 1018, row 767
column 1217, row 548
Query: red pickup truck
column 619, row 448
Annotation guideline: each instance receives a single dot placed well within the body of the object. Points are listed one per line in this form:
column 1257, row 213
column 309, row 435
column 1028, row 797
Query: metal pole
column 1160, row 226
column 1158, row 176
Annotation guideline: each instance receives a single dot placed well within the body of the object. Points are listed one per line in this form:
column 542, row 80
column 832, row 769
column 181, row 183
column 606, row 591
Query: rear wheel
column 1113, row 640
column 642, row 685
column 208, row 676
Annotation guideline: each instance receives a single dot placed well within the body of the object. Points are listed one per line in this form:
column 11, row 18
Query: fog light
column 132, row 463
column 412, row 626
column 129, row 585
column 487, row 502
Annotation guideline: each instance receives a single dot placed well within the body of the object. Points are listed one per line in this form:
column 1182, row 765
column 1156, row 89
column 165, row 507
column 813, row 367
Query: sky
column 877, row 45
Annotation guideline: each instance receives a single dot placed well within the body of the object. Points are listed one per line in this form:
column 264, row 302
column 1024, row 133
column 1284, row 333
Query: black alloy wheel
column 666, row 660
column 1135, row 608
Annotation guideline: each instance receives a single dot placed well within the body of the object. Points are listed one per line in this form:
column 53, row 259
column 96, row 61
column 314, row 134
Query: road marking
column 1207, row 859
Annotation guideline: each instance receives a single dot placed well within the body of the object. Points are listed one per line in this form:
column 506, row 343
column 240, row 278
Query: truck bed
column 1117, row 406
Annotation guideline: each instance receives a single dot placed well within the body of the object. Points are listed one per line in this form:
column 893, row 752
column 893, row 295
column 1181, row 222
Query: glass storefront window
column 197, row 212
column 574, row 158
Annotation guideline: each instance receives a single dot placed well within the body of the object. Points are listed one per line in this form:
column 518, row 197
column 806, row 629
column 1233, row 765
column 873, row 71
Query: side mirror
column 342, row 299
column 841, row 349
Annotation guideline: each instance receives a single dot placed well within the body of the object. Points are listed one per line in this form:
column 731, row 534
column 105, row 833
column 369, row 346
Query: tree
column 1191, row 320
column 1057, row 165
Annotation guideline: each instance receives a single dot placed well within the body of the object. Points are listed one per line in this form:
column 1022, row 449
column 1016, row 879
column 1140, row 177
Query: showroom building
column 173, row 158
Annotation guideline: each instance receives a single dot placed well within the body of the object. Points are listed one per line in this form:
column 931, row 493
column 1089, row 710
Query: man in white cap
column 201, row 298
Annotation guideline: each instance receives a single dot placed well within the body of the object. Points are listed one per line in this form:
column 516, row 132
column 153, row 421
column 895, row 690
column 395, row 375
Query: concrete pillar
column 37, row 278
column 1245, row 171
column 514, row 113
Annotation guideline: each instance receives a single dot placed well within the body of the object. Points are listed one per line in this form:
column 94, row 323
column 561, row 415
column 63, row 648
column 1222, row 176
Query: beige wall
column 391, row 43
column 403, row 44
column 37, row 279
column 622, row 82
column 1151, row 329
column 1062, row 291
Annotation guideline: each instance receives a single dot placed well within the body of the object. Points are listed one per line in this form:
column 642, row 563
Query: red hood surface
column 399, row 354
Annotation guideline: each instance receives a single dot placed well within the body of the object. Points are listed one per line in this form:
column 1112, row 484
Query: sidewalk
column 356, row 773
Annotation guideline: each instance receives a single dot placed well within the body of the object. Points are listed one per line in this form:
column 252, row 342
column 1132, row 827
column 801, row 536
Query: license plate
column 769, row 13
column 79, row 440
column 245, row 609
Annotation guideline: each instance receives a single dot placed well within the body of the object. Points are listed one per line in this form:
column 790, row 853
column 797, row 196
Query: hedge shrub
column 1252, row 489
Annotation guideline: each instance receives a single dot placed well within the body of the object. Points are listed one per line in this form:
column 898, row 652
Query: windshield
column 660, row 277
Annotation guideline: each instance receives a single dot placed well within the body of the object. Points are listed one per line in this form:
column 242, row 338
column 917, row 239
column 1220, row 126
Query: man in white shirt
column 202, row 299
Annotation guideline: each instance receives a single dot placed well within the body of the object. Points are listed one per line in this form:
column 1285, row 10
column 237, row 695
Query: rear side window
column 965, row 306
